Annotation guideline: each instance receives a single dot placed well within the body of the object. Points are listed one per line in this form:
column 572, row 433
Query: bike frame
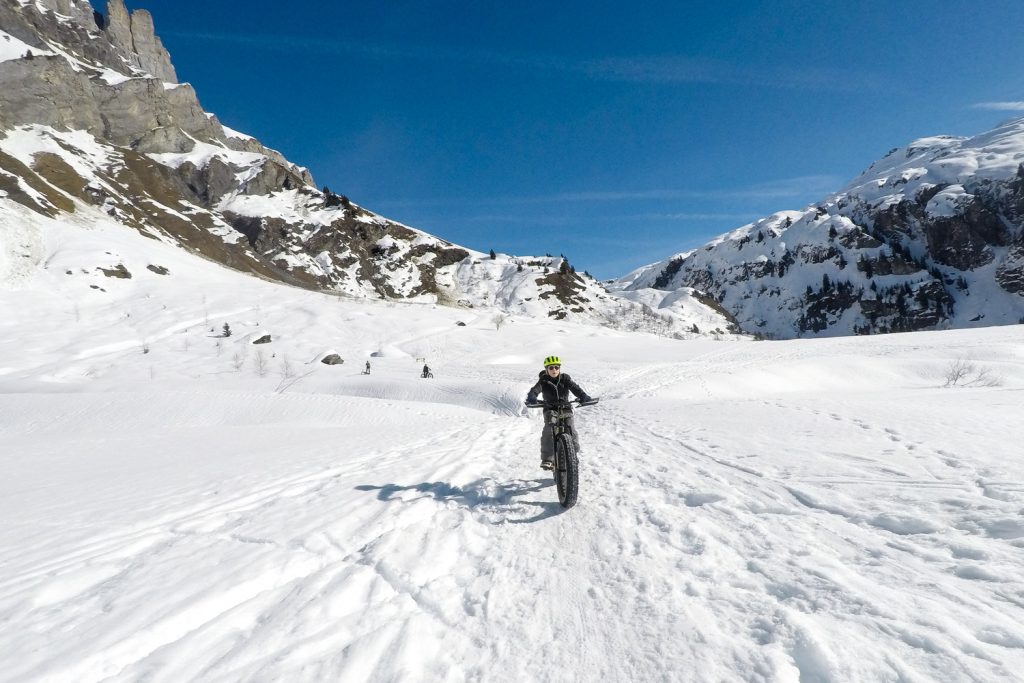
column 559, row 418
column 560, row 412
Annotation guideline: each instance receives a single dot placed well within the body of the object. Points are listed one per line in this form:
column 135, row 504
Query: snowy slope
column 941, row 160
column 931, row 236
column 340, row 247
column 183, row 506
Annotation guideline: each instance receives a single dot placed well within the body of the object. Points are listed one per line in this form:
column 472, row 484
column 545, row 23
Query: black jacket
column 556, row 389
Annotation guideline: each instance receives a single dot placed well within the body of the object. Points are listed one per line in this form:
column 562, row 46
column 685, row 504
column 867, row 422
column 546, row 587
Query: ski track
column 685, row 559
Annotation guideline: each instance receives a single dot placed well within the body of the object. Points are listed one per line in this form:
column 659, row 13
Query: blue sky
column 615, row 133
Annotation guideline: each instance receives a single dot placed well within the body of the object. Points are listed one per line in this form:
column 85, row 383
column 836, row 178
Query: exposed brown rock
column 118, row 271
column 53, row 202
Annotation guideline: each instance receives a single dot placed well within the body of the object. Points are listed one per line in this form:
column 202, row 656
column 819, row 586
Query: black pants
column 547, row 443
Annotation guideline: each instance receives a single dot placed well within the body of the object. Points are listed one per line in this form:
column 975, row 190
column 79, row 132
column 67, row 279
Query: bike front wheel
column 567, row 471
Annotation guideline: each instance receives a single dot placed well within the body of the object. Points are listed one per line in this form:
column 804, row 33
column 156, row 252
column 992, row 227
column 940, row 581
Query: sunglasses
column 554, row 367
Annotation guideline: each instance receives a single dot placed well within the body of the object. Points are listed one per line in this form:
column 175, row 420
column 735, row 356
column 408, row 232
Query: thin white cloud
column 1000, row 106
column 794, row 187
column 803, row 187
column 548, row 219
column 651, row 69
column 739, row 217
column 678, row 69
column 777, row 189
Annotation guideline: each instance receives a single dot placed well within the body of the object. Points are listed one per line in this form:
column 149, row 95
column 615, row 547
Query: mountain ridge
column 930, row 236
column 128, row 141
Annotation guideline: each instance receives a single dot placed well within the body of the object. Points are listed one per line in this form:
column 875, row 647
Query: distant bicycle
column 427, row 375
column 567, row 464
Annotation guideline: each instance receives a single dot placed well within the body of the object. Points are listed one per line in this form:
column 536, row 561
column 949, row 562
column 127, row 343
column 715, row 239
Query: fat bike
column 566, row 465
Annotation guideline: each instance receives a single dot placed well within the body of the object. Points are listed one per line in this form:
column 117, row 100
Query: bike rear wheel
column 567, row 471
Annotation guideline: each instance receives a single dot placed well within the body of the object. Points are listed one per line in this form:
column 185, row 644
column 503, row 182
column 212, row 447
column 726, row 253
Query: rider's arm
column 577, row 390
column 531, row 397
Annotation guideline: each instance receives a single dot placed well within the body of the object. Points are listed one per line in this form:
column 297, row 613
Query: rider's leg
column 547, row 443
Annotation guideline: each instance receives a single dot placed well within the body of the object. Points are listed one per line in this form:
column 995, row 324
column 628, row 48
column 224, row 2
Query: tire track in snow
column 845, row 587
column 166, row 541
column 572, row 592
column 678, row 562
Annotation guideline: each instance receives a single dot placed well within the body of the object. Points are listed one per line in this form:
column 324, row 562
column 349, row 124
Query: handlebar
column 552, row 405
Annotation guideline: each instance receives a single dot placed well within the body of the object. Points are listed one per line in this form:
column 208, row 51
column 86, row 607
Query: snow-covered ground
column 182, row 506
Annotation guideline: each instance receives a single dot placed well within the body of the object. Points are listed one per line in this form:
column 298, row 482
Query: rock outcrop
column 135, row 36
column 109, row 76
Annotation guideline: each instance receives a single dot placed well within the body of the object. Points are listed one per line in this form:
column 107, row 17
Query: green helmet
column 552, row 360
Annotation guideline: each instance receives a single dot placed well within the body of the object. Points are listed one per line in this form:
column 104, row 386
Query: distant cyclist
column 426, row 371
column 554, row 386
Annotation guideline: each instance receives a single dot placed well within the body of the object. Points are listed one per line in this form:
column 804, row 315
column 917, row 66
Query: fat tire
column 567, row 471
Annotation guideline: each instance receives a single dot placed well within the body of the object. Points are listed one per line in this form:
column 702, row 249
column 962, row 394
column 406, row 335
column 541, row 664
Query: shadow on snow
column 482, row 492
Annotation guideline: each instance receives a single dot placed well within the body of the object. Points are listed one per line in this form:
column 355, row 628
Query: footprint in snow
column 694, row 500
column 963, row 553
column 975, row 573
column 903, row 525
column 1008, row 529
column 994, row 635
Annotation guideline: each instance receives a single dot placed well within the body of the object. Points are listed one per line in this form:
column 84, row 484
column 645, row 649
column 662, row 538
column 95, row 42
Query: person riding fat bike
column 554, row 385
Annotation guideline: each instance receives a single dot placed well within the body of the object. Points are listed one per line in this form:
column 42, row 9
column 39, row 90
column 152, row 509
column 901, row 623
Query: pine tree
column 869, row 268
